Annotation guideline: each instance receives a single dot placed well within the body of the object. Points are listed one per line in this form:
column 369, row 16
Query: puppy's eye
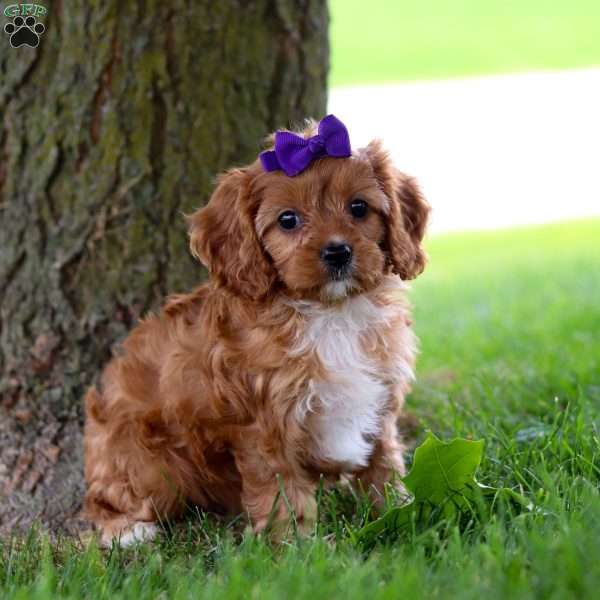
column 359, row 208
column 288, row 220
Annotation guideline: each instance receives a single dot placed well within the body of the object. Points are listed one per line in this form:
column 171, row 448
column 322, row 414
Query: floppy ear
column 223, row 237
column 407, row 218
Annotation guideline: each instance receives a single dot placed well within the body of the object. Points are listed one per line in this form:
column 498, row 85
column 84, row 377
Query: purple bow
column 293, row 153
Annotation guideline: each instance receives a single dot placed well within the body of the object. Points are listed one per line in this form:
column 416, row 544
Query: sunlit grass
column 388, row 40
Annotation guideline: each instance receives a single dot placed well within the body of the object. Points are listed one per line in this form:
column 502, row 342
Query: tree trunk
column 110, row 130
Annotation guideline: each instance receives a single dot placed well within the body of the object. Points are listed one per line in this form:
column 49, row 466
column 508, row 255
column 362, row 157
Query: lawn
column 394, row 40
column 510, row 330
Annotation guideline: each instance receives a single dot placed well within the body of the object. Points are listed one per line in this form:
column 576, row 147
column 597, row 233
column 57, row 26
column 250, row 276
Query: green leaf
column 442, row 478
column 442, row 468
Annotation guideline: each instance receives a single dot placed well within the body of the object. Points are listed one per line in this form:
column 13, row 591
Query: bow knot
column 293, row 154
column 316, row 145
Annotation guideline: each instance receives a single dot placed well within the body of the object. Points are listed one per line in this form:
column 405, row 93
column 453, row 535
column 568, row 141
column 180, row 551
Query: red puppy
column 291, row 362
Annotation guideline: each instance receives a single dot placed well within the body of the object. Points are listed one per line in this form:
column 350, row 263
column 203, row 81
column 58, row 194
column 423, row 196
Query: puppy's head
column 333, row 230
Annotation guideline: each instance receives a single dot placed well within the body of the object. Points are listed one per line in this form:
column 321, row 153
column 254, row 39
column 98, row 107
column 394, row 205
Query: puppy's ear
column 223, row 237
column 407, row 219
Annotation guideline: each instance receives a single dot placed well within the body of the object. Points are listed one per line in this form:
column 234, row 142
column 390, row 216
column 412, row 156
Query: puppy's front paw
column 282, row 524
column 393, row 489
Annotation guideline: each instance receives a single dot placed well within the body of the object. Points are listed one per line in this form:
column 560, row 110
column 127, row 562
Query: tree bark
column 110, row 130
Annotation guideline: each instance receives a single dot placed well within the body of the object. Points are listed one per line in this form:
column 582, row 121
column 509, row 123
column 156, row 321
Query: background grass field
column 510, row 330
column 393, row 40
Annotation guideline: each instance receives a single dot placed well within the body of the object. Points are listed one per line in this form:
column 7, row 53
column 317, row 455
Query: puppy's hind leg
column 129, row 486
column 135, row 524
column 125, row 534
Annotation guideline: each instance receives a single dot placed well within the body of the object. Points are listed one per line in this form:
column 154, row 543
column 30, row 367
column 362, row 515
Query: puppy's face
column 325, row 229
column 332, row 231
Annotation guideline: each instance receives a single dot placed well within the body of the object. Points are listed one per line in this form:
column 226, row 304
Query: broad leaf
column 442, row 468
column 442, row 478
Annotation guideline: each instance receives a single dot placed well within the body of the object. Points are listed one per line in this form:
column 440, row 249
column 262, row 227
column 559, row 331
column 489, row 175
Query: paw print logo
column 24, row 32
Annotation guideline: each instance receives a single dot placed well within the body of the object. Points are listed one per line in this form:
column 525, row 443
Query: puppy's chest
column 343, row 404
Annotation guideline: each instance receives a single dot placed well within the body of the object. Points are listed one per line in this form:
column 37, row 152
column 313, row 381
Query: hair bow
column 294, row 153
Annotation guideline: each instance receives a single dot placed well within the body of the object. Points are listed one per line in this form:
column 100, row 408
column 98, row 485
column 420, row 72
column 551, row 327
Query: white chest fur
column 349, row 399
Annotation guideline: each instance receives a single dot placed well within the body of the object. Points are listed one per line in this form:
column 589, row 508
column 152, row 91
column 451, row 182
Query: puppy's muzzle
column 337, row 257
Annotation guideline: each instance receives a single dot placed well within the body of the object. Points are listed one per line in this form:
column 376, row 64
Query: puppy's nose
column 336, row 255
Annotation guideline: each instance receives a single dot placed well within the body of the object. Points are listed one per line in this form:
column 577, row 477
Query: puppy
column 290, row 363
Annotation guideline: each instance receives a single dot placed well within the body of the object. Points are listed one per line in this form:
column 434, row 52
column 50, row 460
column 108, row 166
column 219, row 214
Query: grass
column 395, row 40
column 510, row 330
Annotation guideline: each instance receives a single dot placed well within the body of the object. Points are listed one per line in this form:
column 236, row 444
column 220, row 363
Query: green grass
column 510, row 330
column 393, row 40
